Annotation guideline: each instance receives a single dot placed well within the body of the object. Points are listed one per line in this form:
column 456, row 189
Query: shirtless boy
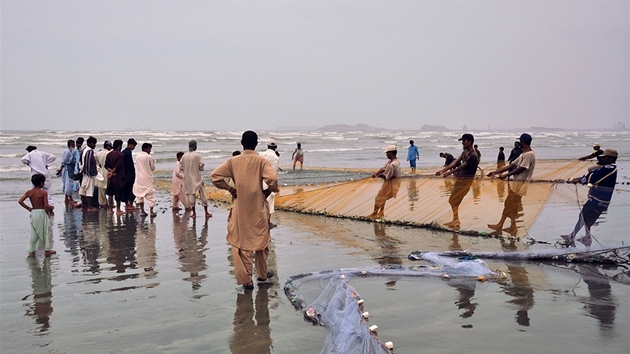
column 39, row 210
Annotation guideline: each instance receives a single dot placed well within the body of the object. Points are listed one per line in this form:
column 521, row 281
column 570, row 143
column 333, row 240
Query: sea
column 130, row 284
column 351, row 149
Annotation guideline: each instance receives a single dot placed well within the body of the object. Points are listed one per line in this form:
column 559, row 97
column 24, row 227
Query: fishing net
column 328, row 299
column 484, row 206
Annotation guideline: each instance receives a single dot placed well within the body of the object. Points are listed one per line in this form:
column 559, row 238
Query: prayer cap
column 272, row 142
column 390, row 148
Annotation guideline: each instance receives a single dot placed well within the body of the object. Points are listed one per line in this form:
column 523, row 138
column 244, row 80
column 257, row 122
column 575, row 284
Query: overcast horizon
column 209, row 65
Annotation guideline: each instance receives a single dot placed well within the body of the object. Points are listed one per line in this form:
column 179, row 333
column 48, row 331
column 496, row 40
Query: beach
column 166, row 284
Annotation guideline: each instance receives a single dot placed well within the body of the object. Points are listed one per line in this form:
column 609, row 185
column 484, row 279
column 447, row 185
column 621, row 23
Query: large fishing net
column 328, row 299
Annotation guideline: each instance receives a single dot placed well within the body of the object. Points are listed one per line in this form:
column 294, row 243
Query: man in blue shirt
column 601, row 183
column 412, row 155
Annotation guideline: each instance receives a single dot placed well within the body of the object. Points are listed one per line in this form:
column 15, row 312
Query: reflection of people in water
column 391, row 173
column 412, row 193
column 601, row 302
column 466, row 289
column 390, row 250
column 42, row 292
column 122, row 243
column 251, row 322
column 464, row 167
column 147, row 254
column 190, row 249
column 519, row 286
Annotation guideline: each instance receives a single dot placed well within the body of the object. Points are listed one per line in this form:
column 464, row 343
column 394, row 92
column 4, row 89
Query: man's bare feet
column 208, row 215
column 496, row 227
column 455, row 225
column 49, row 253
column 119, row 212
column 31, row 254
column 110, row 211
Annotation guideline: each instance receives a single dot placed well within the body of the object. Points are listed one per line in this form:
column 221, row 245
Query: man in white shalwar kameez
column 101, row 184
column 248, row 228
column 273, row 158
column 39, row 161
column 192, row 165
column 143, row 187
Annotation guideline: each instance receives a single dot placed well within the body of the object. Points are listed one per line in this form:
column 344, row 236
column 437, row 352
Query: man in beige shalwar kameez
column 192, row 165
column 248, row 228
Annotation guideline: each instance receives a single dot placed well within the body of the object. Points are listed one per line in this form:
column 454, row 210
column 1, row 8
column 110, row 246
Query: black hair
column 80, row 140
column 236, row 152
column 146, row 146
column 31, row 148
column 249, row 139
column 501, row 148
column 91, row 140
column 179, row 155
column 117, row 143
column 70, row 142
column 38, row 179
column 132, row 141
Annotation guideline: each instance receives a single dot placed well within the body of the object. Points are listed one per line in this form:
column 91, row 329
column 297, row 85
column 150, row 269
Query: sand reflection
column 251, row 322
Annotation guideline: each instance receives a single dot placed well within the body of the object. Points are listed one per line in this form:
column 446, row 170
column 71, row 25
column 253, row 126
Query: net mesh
column 328, row 299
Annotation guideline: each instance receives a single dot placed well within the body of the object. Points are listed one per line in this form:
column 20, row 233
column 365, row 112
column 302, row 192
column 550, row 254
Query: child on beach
column 39, row 215
column 177, row 185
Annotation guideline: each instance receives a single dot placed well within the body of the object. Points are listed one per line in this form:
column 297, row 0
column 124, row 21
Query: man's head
column 71, row 144
column 91, row 142
column 131, row 144
column 525, row 139
column 179, row 155
column 117, row 144
column 38, row 180
column 107, row 145
column 410, row 142
column 80, row 141
column 192, row 145
column 31, row 148
column 442, row 154
column 249, row 140
column 609, row 156
column 391, row 151
column 467, row 140
column 271, row 144
column 517, row 144
column 146, row 147
column 596, row 146
column 501, row 148
column 236, row 153
column 299, row 145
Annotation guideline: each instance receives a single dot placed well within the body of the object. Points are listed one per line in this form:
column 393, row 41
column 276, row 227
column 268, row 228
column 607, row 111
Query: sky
column 265, row 65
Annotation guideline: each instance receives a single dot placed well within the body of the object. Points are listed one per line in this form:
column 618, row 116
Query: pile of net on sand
column 338, row 306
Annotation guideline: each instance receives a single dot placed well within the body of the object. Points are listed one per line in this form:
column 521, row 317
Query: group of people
column 519, row 170
column 251, row 178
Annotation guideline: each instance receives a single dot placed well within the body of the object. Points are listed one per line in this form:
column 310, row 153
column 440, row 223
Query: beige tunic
column 248, row 228
column 100, row 164
column 192, row 165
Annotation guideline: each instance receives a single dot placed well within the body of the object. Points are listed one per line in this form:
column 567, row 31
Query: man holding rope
column 601, row 183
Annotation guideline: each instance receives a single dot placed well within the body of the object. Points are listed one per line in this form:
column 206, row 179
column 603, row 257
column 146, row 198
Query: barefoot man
column 143, row 187
column 192, row 165
column 464, row 168
column 391, row 173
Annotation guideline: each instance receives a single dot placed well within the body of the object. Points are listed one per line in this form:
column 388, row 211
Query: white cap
column 272, row 142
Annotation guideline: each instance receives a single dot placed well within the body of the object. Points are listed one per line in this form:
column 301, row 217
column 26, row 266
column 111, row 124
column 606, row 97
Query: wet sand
column 133, row 284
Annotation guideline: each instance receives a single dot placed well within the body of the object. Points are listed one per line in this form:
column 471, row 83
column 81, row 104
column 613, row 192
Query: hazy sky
column 219, row 65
